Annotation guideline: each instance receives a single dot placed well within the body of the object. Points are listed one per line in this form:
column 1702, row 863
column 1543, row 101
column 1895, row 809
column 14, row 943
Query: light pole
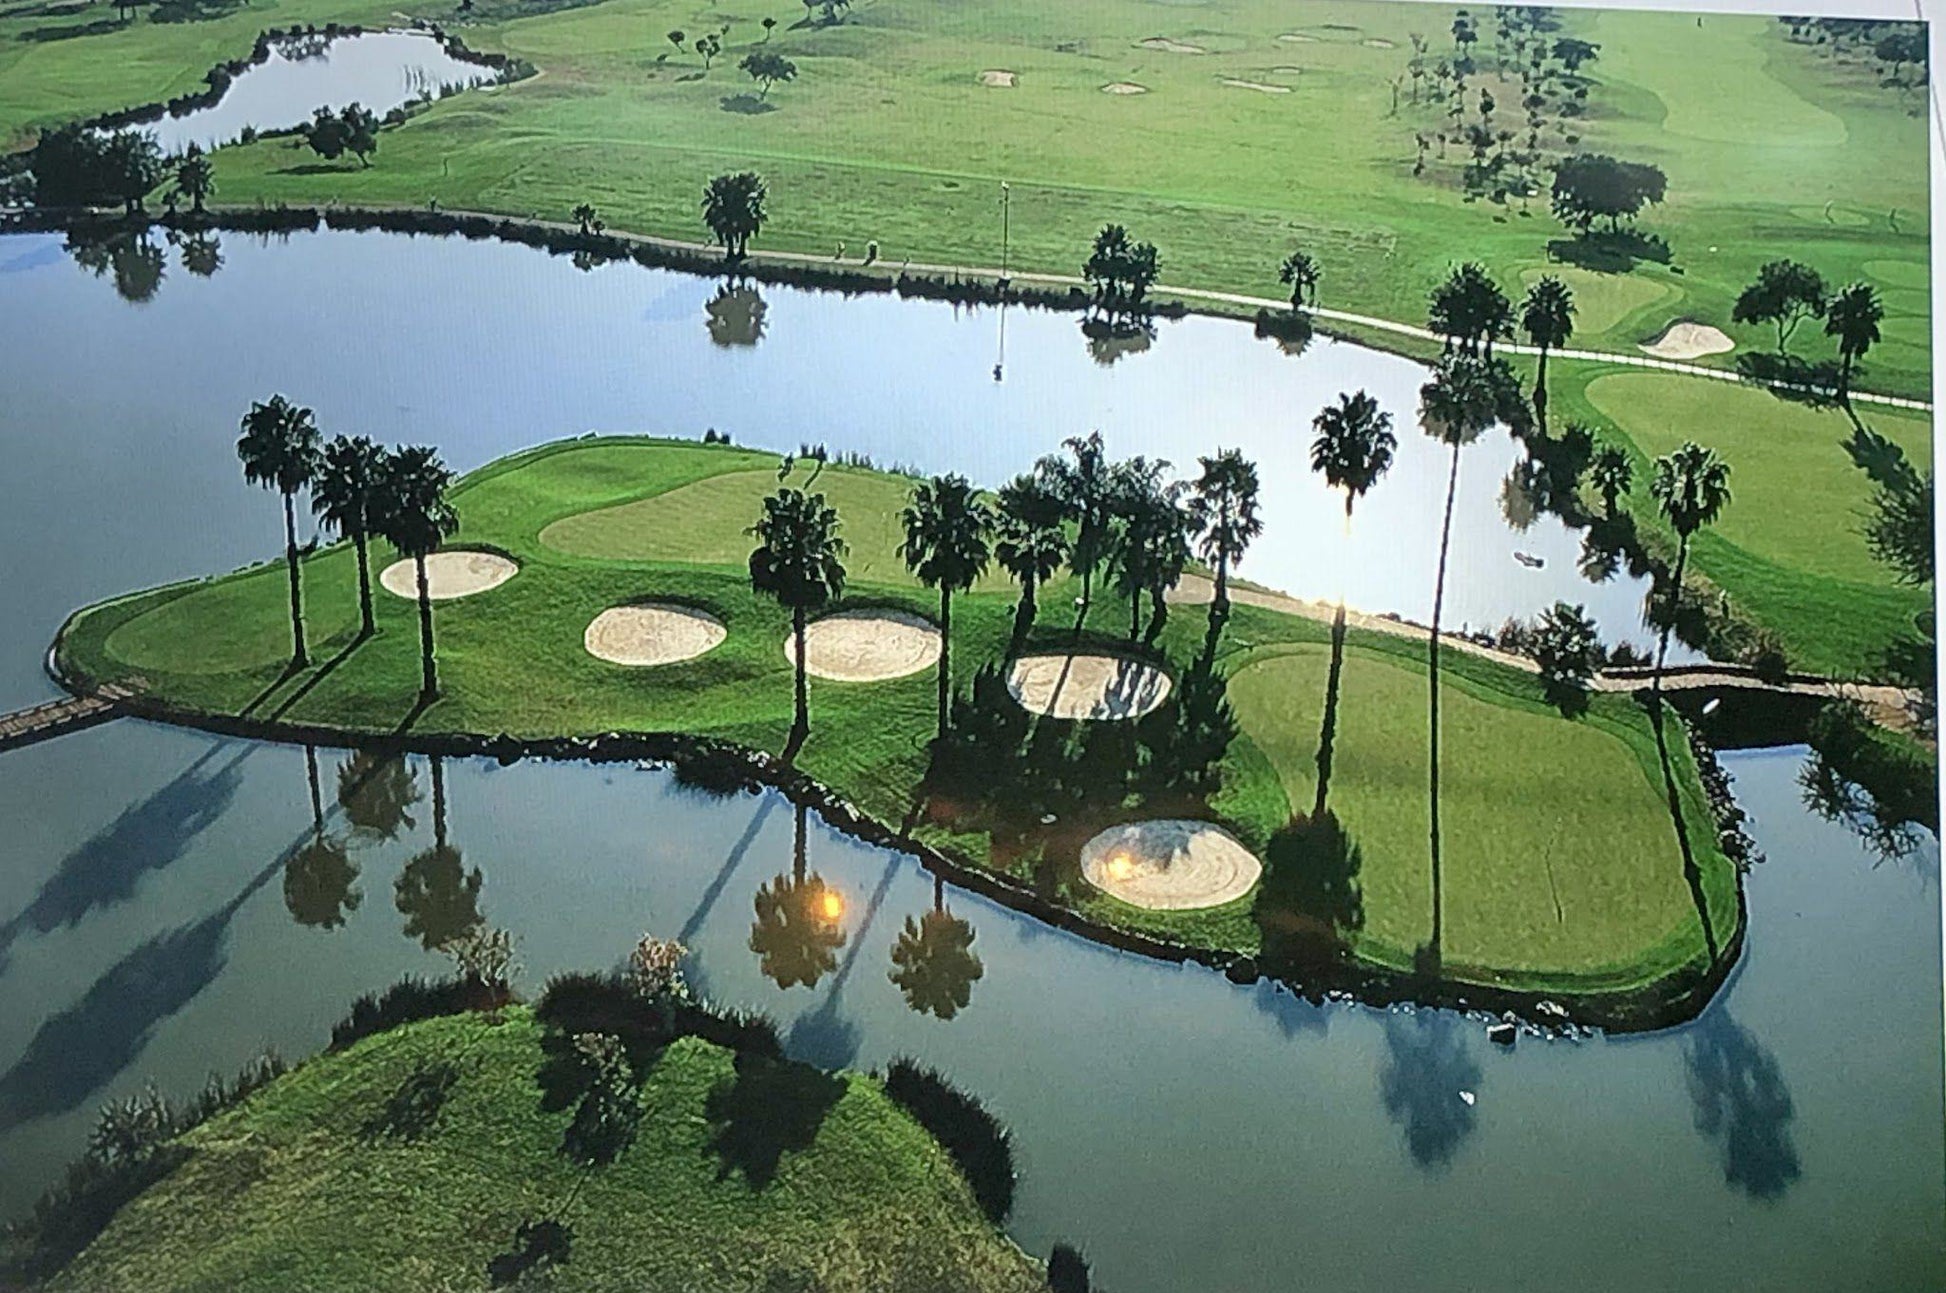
column 1006, row 212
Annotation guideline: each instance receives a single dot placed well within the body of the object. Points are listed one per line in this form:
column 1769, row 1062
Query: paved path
column 57, row 717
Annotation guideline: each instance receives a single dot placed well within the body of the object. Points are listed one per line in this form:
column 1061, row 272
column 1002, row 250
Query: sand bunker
column 1257, row 85
column 1171, row 46
column 1378, row 42
column 449, row 575
column 1297, row 38
column 866, row 646
column 1169, row 865
column 1285, row 69
column 1124, row 87
column 1087, row 686
column 998, row 78
column 651, row 633
column 1686, row 340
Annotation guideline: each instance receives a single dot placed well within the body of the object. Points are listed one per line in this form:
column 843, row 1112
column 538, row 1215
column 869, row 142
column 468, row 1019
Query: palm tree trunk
column 438, row 801
column 1540, row 390
column 1220, row 604
column 945, row 655
column 799, row 855
column 1432, row 691
column 1669, row 616
column 1025, row 612
column 317, row 793
column 428, row 674
column 299, row 657
column 1135, row 613
column 801, row 725
column 360, row 542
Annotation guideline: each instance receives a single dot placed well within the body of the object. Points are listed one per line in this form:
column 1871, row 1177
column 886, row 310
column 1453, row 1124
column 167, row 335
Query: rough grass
column 297, row 1188
column 512, row 660
column 887, row 134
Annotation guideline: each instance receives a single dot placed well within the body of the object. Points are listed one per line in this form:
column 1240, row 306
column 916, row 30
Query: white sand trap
column 651, row 633
column 1685, row 340
column 1285, row 69
column 1124, row 87
column 1378, row 42
column 1087, row 686
column 1257, row 85
column 1170, row 865
column 866, row 646
column 998, row 78
column 1171, row 46
column 1297, row 38
column 449, row 575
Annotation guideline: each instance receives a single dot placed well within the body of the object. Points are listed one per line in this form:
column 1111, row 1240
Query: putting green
column 1604, row 301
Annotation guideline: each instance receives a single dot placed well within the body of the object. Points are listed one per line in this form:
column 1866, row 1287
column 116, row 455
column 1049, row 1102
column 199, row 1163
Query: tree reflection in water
column 377, row 792
column 1742, row 1104
column 799, row 926
column 933, row 961
column 1429, row 1083
column 136, row 263
column 437, row 895
column 736, row 315
column 319, row 877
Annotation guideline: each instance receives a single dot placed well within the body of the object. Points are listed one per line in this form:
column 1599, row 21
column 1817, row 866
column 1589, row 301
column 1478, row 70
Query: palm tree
column 1149, row 529
column 586, row 216
column 414, row 516
column 1300, row 272
column 799, row 561
column 195, row 177
column 1469, row 309
column 1612, row 473
column 1547, row 317
column 948, row 532
column 733, row 208
column 1853, row 318
column 1691, row 487
column 1223, row 502
column 1030, row 542
column 279, row 450
column 1455, row 407
column 1353, row 448
column 1084, row 482
column 345, row 495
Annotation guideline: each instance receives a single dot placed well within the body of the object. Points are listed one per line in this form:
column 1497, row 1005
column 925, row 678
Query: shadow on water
column 1428, row 1083
column 1742, row 1105
column 105, row 869
column 731, row 862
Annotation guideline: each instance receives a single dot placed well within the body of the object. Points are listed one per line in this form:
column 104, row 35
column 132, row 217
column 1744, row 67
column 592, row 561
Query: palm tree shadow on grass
column 1743, row 1104
column 1428, row 1083
column 318, row 675
column 768, row 1109
column 1310, row 902
column 1328, row 730
column 1692, row 875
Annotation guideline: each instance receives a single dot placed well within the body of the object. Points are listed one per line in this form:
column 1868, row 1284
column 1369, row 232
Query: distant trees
column 415, row 517
column 588, row 218
column 1572, row 53
column 333, row 134
column 1853, row 316
column 766, row 68
column 733, row 208
column 346, row 495
column 799, row 562
column 1547, row 317
column 279, row 450
column 1785, row 294
column 195, row 177
column 947, row 544
column 1223, row 506
column 1300, row 273
column 711, row 45
column 1121, row 270
column 1470, row 311
column 73, row 167
column 1691, row 487
column 833, row 10
column 1594, row 186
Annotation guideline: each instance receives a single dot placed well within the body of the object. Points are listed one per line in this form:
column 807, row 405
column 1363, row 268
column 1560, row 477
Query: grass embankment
column 1772, row 149
column 305, row 1187
column 1562, row 871
column 1790, row 548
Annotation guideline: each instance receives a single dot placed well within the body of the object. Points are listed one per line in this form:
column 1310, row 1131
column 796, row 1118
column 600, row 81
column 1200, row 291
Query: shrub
column 409, row 999
column 981, row 1147
column 1067, row 1270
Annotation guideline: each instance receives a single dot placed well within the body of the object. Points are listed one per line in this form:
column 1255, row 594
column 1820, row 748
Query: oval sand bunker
column 866, row 646
column 449, row 575
column 1124, row 87
column 1169, row 865
column 1087, row 686
column 651, row 633
column 1686, row 340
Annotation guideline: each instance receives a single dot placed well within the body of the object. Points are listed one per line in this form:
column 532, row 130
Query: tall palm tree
column 1853, row 318
column 279, row 450
column 414, row 516
column 1455, row 407
column 345, row 495
column 733, row 208
column 1223, row 502
column 1353, row 448
column 1030, row 542
column 1084, row 480
column 1148, row 526
column 1300, row 272
column 1691, row 487
column 799, row 561
column 948, row 542
column 1612, row 474
column 1547, row 317
column 195, row 177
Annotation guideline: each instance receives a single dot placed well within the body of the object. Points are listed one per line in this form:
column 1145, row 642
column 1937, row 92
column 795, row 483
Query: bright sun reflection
column 833, row 905
column 1121, row 866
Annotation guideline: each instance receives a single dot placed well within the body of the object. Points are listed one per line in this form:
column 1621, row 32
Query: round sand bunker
column 1686, row 340
column 449, row 575
column 997, row 78
column 1169, row 865
column 866, row 646
column 1124, row 87
column 1087, row 686
column 651, row 633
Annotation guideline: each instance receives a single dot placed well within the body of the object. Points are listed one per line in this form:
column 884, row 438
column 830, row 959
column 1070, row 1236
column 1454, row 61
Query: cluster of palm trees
column 359, row 489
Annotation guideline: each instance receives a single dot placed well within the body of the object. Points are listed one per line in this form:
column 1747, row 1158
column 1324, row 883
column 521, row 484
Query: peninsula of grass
column 1563, row 870
column 891, row 133
column 812, row 1181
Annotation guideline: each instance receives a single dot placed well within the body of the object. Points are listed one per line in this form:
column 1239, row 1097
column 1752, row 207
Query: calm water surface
column 1187, row 1132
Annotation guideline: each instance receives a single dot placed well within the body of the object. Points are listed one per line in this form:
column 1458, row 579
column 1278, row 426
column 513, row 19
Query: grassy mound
column 1583, row 890
column 314, row 1183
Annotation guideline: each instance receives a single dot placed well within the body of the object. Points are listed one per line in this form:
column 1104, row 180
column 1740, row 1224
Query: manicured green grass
column 887, row 134
column 512, row 660
column 295, row 1189
column 1790, row 547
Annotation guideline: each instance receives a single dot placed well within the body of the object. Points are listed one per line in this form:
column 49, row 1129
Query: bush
column 411, row 998
column 1067, row 1270
column 581, row 1002
column 981, row 1147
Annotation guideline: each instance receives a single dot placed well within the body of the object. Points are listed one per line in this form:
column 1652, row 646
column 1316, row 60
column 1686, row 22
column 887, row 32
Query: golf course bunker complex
column 1087, row 686
column 651, row 633
column 1686, row 340
column 1169, row 865
column 866, row 646
column 449, row 575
